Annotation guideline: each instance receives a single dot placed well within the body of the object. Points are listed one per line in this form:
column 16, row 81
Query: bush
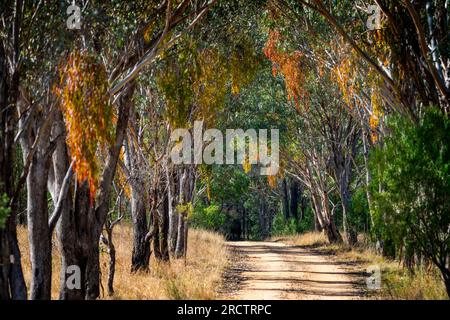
column 411, row 188
column 282, row 226
column 210, row 217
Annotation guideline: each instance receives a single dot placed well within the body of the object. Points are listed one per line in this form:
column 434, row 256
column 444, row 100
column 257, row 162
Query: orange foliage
column 84, row 100
column 289, row 65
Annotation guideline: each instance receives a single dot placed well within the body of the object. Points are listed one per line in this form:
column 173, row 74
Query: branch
column 62, row 196
column 149, row 235
column 171, row 22
column 320, row 8
column 425, row 50
column 111, row 223
column 147, row 58
column 29, row 158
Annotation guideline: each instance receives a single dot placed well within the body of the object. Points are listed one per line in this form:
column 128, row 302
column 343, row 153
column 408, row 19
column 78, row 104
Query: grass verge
column 198, row 279
column 397, row 282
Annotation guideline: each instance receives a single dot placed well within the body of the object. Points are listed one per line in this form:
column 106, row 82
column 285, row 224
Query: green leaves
column 210, row 217
column 411, row 182
column 196, row 81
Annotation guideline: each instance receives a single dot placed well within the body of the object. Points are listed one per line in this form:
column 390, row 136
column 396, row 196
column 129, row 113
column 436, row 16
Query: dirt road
column 273, row 270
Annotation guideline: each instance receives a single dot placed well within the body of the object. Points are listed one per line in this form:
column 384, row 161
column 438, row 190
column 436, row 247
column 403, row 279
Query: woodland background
column 86, row 116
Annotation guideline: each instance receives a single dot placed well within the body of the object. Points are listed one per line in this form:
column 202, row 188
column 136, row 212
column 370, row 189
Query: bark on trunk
column 72, row 226
column 325, row 216
column 93, row 263
column 172, row 214
column 36, row 148
column 286, row 207
column 100, row 214
column 156, row 235
column 141, row 247
column 141, row 243
column 112, row 267
column 12, row 283
column 349, row 229
column 186, row 193
column 179, row 250
column 180, row 215
column 17, row 284
column 38, row 230
column 5, row 265
column 164, row 229
column 294, row 191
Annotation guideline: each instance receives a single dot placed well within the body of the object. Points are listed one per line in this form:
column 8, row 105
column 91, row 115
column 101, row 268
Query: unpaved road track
column 273, row 271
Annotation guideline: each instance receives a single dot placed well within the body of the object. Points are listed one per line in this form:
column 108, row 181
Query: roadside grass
column 397, row 282
column 198, row 279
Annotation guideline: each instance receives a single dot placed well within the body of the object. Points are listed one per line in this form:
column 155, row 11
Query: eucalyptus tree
column 154, row 28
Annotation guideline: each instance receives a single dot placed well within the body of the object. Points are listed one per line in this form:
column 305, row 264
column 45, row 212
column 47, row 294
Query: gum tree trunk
column 187, row 186
column 141, row 247
column 179, row 250
column 172, row 215
column 156, row 235
column 37, row 150
column 112, row 263
column 38, row 231
column 73, row 219
column 164, row 228
column 102, row 200
column 80, row 225
column 294, row 191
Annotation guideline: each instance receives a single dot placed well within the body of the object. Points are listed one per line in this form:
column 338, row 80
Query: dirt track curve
column 273, row 271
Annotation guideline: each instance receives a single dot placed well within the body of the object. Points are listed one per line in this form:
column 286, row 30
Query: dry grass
column 304, row 239
column 199, row 279
column 397, row 282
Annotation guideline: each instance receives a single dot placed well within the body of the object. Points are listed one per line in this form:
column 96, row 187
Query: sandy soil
column 273, row 270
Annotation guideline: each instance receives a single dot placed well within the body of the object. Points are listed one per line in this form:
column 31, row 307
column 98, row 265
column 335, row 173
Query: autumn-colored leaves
column 196, row 81
column 289, row 64
column 83, row 98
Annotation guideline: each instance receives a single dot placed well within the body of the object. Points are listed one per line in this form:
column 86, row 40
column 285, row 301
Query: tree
column 415, row 179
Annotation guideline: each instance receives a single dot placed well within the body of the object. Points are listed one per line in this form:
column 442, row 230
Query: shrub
column 209, row 217
column 411, row 188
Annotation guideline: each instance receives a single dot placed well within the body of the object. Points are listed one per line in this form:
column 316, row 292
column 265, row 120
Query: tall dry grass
column 198, row 279
column 397, row 282
column 310, row 238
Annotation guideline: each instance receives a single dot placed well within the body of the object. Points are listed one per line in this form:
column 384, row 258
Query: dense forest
column 92, row 91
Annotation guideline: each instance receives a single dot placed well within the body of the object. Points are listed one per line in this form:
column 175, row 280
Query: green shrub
column 282, row 226
column 411, row 188
column 210, row 217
